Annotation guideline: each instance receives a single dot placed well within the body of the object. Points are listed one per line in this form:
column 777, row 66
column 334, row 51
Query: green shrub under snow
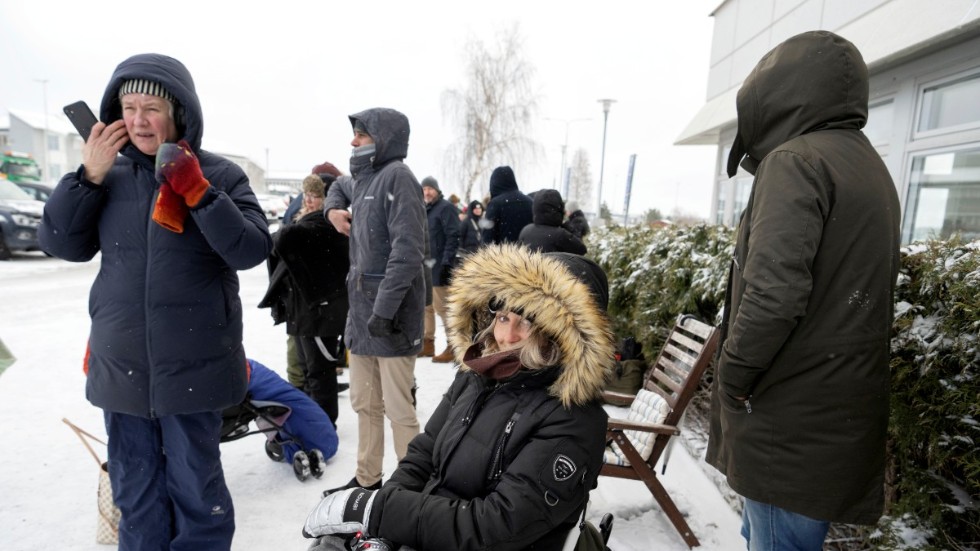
column 933, row 480
column 656, row 274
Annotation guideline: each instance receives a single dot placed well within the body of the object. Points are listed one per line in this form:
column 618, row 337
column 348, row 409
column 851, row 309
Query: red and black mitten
column 178, row 166
column 170, row 211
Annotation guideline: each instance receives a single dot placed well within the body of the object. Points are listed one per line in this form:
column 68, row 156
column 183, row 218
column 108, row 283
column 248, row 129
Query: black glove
column 380, row 327
column 446, row 274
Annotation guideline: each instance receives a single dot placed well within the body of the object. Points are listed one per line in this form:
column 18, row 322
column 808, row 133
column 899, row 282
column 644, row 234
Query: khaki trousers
column 381, row 387
column 438, row 306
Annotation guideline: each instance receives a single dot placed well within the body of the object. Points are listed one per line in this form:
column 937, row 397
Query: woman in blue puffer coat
column 173, row 224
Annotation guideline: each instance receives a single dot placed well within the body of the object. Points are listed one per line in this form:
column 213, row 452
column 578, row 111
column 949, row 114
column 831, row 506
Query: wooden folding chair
column 638, row 442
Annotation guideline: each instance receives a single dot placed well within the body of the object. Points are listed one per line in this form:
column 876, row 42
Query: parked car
column 273, row 205
column 37, row 190
column 20, row 215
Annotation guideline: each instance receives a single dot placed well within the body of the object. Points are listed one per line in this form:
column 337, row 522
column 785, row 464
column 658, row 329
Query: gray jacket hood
column 389, row 129
column 813, row 81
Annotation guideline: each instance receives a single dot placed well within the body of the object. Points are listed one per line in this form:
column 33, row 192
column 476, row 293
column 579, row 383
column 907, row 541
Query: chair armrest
column 617, row 398
column 616, row 425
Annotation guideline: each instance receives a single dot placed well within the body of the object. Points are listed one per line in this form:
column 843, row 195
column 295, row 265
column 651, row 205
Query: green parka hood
column 816, row 80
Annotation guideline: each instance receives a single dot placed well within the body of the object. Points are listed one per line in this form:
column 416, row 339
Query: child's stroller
column 297, row 430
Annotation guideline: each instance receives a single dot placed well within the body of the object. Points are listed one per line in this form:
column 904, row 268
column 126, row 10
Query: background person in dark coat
column 576, row 223
column 173, row 225
column 294, row 371
column 508, row 211
column 309, row 272
column 443, row 225
column 546, row 234
column 470, row 234
column 508, row 458
column 386, row 283
column 799, row 409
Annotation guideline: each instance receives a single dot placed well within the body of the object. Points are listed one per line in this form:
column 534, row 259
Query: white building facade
column 924, row 117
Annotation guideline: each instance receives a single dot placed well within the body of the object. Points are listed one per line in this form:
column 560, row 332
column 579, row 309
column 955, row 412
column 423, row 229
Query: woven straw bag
column 107, row 531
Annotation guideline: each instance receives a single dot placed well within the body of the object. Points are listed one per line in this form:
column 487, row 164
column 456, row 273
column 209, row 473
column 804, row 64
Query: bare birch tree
column 580, row 181
column 493, row 114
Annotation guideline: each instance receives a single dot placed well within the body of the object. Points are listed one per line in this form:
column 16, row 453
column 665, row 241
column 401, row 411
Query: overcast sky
column 278, row 79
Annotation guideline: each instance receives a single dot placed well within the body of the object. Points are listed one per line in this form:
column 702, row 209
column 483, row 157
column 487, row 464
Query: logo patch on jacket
column 563, row 468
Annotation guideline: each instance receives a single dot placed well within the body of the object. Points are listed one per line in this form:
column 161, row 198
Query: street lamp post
column 606, row 103
column 44, row 139
column 564, row 147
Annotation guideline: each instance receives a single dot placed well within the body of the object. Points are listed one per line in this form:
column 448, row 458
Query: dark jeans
column 168, row 482
column 320, row 371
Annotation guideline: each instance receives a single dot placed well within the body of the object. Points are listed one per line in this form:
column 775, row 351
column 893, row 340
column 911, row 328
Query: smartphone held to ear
column 81, row 117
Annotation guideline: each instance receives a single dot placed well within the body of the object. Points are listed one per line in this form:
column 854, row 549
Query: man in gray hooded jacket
column 799, row 410
column 386, row 285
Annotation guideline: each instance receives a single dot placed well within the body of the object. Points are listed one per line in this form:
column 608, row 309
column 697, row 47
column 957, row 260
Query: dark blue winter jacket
column 307, row 427
column 166, row 334
column 508, row 211
column 443, row 223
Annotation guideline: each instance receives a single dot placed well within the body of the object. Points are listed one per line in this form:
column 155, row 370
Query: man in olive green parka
column 800, row 404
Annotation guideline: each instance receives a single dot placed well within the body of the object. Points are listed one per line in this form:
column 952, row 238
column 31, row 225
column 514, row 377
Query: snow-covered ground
column 48, row 480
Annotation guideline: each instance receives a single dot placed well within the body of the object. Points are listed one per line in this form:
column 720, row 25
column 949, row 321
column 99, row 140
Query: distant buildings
column 57, row 147
column 924, row 116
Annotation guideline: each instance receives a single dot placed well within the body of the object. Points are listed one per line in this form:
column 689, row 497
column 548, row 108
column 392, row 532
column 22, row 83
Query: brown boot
column 445, row 357
column 428, row 348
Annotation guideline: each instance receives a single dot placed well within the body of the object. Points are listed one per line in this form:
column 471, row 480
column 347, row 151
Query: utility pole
column 606, row 103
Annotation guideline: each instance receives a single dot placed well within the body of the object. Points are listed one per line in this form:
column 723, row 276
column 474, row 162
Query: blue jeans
column 769, row 528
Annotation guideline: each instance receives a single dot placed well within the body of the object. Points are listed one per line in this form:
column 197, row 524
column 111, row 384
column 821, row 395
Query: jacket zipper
column 146, row 308
column 497, row 465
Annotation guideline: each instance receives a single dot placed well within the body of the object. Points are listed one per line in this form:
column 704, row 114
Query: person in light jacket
column 799, row 408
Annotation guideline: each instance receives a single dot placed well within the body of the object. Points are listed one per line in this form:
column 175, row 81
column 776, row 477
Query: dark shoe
column 353, row 484
column 342, row 387
column 445, row 357
column 428, row 348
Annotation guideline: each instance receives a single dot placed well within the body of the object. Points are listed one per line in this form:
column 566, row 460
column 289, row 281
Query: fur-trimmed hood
column 559, row 299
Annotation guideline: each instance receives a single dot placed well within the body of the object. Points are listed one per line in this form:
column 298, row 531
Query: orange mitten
column 178, row 166
column 170, row 209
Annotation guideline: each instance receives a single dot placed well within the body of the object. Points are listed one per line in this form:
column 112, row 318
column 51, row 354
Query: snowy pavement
column 48, row 480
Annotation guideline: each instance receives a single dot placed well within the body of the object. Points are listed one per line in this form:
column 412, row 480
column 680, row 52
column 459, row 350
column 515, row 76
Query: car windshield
column 10, row 192
column 17, row 169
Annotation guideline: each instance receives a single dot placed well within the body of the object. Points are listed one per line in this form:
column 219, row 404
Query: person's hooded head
column 813, row 81
column 143, row 84
column 564, row 298
column 548, row 208
column 475, row 210
column 502, row 180
column 388, row 130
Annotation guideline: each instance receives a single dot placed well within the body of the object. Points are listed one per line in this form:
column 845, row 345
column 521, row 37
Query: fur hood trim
column 561, row 305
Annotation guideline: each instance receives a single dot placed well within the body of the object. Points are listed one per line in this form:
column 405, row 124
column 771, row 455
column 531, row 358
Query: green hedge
column 933, row 479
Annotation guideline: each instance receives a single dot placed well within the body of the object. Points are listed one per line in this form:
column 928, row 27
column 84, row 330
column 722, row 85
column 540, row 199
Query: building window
column 743, row 189
column 880, row 119
column 54, row 142
column 951, row 104
column 720, row 206
column 944, row 196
